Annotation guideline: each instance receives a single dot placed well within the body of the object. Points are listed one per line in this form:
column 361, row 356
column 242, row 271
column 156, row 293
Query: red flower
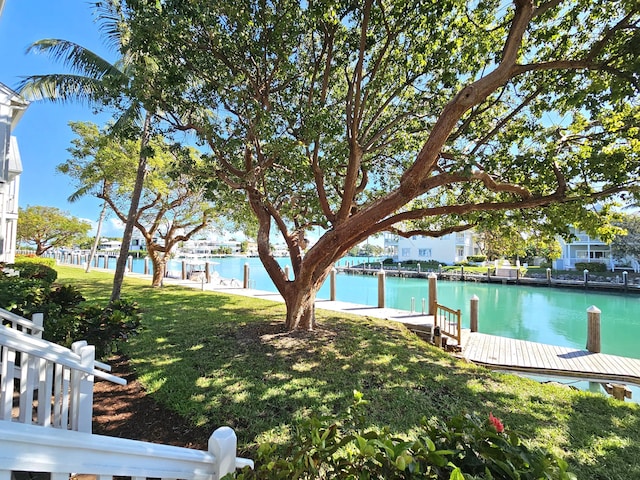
column 495, row 421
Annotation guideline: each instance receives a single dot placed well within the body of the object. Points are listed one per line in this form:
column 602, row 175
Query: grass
column 225, row 360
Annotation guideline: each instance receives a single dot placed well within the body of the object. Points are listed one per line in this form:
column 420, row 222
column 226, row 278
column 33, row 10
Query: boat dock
column 537, row 358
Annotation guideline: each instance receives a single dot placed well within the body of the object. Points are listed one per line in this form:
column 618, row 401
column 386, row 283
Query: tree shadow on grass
column 222, row 359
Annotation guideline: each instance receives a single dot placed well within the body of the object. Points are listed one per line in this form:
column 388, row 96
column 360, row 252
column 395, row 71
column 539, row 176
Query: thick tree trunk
column 121, row 264
column 300, row 303
column 159, row 263
column 96, row 241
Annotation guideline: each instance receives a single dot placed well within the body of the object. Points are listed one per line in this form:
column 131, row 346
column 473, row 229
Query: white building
column 449, row 249
column 581, row 250
column 12, row 107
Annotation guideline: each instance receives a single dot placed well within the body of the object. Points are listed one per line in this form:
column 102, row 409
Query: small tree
column 49, row 227
column 171, row 209
column 626, row 247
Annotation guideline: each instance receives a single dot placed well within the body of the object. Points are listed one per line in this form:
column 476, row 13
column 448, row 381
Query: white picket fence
column 46, row 408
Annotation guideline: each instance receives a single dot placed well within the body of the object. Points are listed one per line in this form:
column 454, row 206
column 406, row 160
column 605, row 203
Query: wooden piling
column 381, row 285
column 473, row 313
column 433, row 293
column 593, row 329
column 332, row 285
column 245, row 283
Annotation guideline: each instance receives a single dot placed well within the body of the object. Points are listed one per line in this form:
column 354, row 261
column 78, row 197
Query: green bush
column 477, row 258
column 464, row 448
column 49, row 262
column 592, row 267
column 66, row 318
column 23, row 296
column 388, row 261
column 35, row 270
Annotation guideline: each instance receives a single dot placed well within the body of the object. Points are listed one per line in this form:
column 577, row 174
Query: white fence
column 46, row 407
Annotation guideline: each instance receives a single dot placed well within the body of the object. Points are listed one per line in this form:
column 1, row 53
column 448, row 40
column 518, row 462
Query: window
column 406, row 252
column 424, row 252
column 460, row 252
column 581, row 254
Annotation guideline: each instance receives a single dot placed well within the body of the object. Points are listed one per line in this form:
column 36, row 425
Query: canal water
column 539, row 314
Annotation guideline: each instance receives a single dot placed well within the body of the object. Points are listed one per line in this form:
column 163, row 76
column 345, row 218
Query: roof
column 17, row 103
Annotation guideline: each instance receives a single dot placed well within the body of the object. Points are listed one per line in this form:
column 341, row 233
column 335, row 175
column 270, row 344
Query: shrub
column 592, row 267
column 465, row 447
column 476, row 258
column 388, row 261
column 36, row 269
column 23, row 296
column 49, row 262
column 66, row 319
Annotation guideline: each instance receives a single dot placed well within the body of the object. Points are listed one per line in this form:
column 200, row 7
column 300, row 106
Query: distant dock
column 588, row 284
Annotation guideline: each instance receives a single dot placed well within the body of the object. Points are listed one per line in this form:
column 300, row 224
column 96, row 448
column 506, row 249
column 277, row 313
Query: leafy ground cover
column 219, row 359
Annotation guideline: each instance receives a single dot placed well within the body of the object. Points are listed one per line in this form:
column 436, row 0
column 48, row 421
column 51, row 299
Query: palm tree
column 97, row 81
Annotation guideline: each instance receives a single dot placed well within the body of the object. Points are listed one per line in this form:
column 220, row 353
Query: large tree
column 412, row 116
column 170, row 209
column 49, row 227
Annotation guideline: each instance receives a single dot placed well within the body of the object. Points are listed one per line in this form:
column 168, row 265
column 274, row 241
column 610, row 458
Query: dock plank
column 533, row 357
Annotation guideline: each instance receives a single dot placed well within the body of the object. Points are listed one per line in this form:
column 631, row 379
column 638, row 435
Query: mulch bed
column 128, row 412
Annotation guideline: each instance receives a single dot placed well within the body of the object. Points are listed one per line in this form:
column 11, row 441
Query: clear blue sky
column 43, row 132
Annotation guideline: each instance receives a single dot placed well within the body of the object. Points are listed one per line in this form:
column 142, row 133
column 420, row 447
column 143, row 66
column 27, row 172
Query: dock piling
column 593, row 329
column 473, row 313
column 245, row 283
column 433, row 292
column 381, row 282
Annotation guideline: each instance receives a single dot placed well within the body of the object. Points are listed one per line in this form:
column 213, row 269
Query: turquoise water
column 540, row 314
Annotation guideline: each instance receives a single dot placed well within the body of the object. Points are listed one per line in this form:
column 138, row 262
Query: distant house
column 12, row 107
column 449, row 249
column 582, row 250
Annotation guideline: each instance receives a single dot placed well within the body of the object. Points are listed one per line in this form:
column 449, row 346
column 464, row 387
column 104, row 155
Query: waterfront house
column 449, row 249
column 12, row 107
column 583, row 249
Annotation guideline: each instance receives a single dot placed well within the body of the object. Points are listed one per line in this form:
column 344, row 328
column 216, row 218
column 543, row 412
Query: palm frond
column 63, row 88
column 81, row 192
column 111, row 21
column 76, row 58
column 131, row 116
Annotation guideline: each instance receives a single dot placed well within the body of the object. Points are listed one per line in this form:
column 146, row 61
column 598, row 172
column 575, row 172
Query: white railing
column 45, row 385
column 64, row 453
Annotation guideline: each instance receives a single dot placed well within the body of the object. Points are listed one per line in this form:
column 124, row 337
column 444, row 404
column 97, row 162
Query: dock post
column 381, row 278
column 146, row 265
column 332, row 285
column 207, row 272
column 130, row 264
column 593, row 329
column 424, row 309
column 586, row 278
column 433, row 293
column 473, row 313
column 625, row 280
column 106, row 261
column 184, row 270
column 418, row 268
column 517, row 275
column 286, row 272
column 488, row 274
column 462, row 272
column 548, row 276
column 245, row 283
column 413, row 304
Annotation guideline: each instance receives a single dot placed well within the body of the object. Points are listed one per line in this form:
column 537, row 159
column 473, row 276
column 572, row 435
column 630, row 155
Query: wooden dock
column 541, row 359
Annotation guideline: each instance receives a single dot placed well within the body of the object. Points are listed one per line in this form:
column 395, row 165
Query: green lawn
column 225, row 360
